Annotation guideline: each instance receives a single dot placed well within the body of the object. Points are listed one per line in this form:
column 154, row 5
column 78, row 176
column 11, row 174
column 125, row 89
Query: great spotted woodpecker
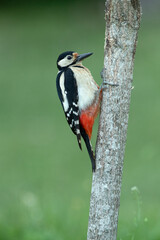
column 80, row 97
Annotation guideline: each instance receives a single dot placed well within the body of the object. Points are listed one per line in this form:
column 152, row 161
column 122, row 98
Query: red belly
column 87, row 118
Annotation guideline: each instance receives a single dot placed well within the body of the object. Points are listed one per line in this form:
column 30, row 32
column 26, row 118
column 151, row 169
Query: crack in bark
column 135, row 4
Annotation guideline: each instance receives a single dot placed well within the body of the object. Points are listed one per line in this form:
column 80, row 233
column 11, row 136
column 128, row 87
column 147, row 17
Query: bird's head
column 69, row 58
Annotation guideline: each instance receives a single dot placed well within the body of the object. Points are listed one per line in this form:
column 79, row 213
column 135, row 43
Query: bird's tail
column 89, row 148
column 79, row 140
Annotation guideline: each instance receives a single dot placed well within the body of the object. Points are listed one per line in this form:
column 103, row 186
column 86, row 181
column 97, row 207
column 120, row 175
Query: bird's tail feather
column 79, row 140
column 89, row 148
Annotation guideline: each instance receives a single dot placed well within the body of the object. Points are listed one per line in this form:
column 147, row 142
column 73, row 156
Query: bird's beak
column 83, row 56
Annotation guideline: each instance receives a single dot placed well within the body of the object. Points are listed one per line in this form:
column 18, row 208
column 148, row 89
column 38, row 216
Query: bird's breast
column 87, row 87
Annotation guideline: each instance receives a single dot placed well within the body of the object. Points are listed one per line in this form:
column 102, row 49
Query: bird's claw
column 106, row 83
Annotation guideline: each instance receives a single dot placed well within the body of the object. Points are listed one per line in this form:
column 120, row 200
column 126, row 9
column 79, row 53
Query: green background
column 45, row 180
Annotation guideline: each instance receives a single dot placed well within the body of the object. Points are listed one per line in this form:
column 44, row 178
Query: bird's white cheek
column 64, row 62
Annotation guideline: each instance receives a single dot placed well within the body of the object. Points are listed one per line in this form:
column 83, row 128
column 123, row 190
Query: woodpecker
column 80, row 97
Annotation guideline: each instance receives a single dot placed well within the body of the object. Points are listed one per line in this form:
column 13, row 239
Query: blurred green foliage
column 45, row 180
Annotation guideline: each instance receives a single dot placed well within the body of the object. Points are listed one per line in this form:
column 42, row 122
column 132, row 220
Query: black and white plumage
column 68, row 94
column 77, row 92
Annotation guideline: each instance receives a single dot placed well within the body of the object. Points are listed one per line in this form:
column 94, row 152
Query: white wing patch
column 64, row 93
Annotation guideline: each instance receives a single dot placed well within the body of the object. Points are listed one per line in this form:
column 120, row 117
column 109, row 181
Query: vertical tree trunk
column 122, row 24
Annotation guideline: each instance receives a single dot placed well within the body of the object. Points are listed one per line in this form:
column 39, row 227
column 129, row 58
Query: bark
column 122, row 24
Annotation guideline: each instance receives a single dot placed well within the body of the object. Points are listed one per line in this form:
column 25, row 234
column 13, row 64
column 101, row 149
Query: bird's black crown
column 64, row 54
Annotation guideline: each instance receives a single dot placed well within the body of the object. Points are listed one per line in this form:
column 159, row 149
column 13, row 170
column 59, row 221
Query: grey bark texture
column 122, row 24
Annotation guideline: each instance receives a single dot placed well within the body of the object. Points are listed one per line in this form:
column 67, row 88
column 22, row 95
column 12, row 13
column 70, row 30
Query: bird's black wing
column 68, row 95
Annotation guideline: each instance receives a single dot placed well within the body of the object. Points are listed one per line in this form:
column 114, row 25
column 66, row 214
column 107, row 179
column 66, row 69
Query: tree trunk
column 122, row 24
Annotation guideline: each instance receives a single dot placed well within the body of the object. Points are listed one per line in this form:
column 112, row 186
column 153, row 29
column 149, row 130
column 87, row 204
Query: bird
column 80, row 97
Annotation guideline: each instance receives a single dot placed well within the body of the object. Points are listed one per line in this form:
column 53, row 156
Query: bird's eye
column 69, row 57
